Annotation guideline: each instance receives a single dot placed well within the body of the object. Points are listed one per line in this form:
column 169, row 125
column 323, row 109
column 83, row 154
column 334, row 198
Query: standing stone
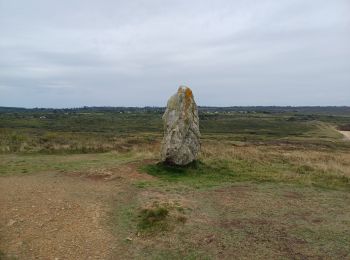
column 181, row 142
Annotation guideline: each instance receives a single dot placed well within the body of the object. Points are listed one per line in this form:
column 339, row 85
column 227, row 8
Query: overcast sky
column 71, row 53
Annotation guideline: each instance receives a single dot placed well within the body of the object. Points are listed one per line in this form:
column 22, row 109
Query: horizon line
column 199, row 106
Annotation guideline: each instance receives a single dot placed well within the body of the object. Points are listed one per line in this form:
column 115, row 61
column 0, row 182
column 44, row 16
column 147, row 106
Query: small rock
column 11, row 222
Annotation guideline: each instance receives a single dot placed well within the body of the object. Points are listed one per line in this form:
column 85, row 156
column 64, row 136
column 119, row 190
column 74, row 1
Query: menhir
column 181, row 142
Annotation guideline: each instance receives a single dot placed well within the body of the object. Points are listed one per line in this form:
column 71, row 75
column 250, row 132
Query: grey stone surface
column 181, row 142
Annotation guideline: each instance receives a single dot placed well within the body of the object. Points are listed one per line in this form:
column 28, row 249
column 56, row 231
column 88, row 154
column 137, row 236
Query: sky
column 73, row 53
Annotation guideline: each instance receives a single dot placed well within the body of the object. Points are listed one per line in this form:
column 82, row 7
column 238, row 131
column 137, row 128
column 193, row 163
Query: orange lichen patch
column 188, row 93
column 188, row 98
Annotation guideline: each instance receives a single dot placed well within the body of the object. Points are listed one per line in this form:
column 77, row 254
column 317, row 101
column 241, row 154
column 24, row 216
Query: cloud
column 74, row 53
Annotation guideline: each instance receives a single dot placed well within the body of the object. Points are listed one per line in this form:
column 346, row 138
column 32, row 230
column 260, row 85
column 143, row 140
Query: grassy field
column 266, row 186
column 88, row 132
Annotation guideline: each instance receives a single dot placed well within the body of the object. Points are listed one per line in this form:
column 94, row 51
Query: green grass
column 153, row 218
column 217, row 172
column 177, row 254
column 108, row 131
column 197, row 174
column 262, row 220
column 64, row 163
column 3, row 256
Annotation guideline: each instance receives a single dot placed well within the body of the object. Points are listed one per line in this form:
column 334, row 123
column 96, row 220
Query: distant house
column 42, row 117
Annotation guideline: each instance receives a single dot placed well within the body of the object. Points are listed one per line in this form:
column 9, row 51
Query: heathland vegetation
column 271, row 182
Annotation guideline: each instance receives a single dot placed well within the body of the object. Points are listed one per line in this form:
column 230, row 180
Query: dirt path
column 52, row 216
column 46, row 217
column 346, row 134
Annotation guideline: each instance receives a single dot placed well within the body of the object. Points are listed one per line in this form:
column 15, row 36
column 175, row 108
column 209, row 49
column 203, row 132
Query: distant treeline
column 84, row 109
column 326, row 110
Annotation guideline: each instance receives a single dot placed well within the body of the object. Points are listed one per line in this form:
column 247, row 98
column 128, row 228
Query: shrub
column 153, row 217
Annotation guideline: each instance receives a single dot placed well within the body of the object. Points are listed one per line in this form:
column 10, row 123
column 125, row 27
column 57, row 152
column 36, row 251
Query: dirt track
column 49, row 217
column 346, row 134
column 55, row 216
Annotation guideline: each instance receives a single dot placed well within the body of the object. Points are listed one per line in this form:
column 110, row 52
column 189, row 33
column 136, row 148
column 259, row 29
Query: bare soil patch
column 126, row 172
column 45, row 216
column 346, row 134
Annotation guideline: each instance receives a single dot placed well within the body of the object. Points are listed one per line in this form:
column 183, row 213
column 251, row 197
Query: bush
column 153, row 217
